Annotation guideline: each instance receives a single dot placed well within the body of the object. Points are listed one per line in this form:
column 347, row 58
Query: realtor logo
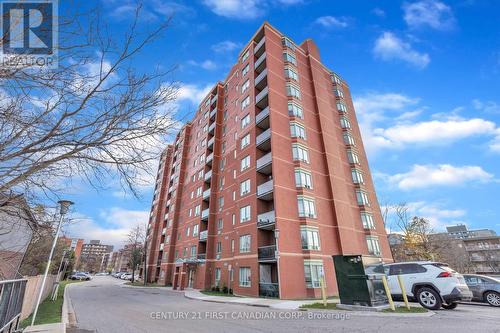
column 29, row 33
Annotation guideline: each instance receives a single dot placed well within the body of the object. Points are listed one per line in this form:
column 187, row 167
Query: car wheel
column 429, row 298
column 493, row 298
column 449, row 306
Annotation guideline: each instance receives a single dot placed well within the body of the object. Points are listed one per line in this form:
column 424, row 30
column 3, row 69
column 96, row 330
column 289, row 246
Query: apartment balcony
column 262, row 119
column 269, row 290
column 210, row 143
column 265, row 191
column 211, row 128
column 260, row 63
column 161, row 246
column 209, row 159
column 264, row 164
column 206, row 194
column 204, row 214
column 213, row 113
column 164, row 231
column 261, row 100
column 203, row 235
column 266, row 221
column 208, row 176
column 168, row 203
column 267, row 253
column 213, row 100
column 260, row 80
column 201, row 256
column 260, row 47
column 263, row 140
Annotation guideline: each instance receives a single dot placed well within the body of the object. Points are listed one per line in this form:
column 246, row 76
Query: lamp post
column 277, row 236
column 63, row 209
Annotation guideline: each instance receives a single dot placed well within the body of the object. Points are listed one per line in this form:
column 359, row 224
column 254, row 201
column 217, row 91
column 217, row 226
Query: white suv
column 432, row 284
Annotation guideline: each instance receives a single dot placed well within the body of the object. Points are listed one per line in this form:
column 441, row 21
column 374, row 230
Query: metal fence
column 11, row 303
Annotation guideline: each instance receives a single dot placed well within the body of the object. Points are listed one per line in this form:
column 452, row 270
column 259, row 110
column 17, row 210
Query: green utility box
column 359, row 280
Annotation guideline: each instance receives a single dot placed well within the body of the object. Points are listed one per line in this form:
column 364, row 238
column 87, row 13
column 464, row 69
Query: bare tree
column 136, row 238
column 91, row 118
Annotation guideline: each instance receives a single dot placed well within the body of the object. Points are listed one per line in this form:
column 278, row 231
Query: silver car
column 484, row 288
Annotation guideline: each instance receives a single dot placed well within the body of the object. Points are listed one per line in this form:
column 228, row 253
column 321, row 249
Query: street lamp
column 276, row 237
column 63, row 209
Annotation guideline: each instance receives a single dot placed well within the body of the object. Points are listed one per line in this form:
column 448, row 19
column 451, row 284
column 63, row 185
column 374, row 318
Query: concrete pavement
column 103, row 305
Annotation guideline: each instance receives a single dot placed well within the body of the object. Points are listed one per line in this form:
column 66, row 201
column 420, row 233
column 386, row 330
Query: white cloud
column 113, row 226
column 424, row 176
column 389, row 47
column 206, row 64
column 487, row 107
column 431, row 13
column 193, row 93
column 435, row 131
column 239, row 9
column 495, row 144
column 331, row 21
column 379, row 12
column 226, row 46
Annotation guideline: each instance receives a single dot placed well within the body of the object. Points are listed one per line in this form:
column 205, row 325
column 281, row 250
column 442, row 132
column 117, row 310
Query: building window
column 195, row 230
column 245, row 70
column 344, row 123
column 367, row 219
column 292, row 91
column 373, row 245
column 245, row 86
column 245, row 187
column 303, row 178
column 221, row 203
column 352, row 156
column 295, row 110
column 313, row 271
column 357, row 176
column 188, row 231
column 310, row 238
column 197, row 210
column 297, row 130
column 245, row 102
column 245, row 56
column 232, row 245
column 348, row 139
column 291, row 74
column 245, row 121
column 306, row 206
column 218, row 248
column 341, row 107
column 220, row 224
column 336, row 79
column 245, row 141
column 245, row 243
column 289, row 57
column 245, row 163
column 300, row 153
column 245, row 214
column 193, row 251
column 339, row 93
column 362, row 198
column 245, row 277
column 288, row 43
column 217, row 277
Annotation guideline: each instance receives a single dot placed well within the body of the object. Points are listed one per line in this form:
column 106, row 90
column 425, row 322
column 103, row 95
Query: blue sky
column 425, row 77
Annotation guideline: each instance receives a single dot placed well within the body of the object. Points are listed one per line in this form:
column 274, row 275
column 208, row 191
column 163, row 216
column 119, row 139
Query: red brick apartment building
column 267, row 182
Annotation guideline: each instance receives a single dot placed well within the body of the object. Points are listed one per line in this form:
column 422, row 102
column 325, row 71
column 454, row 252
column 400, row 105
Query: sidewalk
column 253, row 301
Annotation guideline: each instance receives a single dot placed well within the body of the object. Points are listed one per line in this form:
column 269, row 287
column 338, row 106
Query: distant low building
column 92, row 255
column 484, row 253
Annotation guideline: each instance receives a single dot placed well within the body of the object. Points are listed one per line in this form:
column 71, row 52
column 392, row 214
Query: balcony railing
column 213, row 100
column 164, row 231
column 260, row 63
column 205, row 213
column 262, row 119
column 210, row 143
column 211, row 128
column 208, row 176
column 11, row 303
column 266, row 220
column 259, row 45
column 269, row 290
column 206, row 194
column 265, row 190
column 209, row 159
column 203, row 235
column 202, row 256
column 161, row 246
column 261, row 98
column 264, row 164
column 263, row 139
column 259, row 80
column 213, row 113
column 267, row 253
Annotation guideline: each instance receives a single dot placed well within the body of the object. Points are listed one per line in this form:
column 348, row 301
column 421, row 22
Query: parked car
column 126, row 276
column 101, row 274
column 484, row 288
column 432, row 284
column 80, row 276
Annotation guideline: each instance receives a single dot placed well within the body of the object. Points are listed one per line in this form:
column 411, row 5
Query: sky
column 424, row 75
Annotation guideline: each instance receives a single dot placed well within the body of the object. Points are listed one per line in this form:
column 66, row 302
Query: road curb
column 68, row 315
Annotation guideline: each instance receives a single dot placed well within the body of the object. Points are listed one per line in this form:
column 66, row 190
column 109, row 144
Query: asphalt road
column 104, row 305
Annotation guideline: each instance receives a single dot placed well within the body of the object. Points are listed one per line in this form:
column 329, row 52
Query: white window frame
column 245, row 243
column 245, row 277
column 245, row 163
column 245, row 121
column 293, row 90
column 309, row 237
column 297, row 130
column 315, row 269
column 306, row 206
column 345, row 123
column 367, row 220
column 245, row 141
column 245, row 187
column 300, row 153
column 292, row 74
column 357, row 176
column 295, row 110
column 303, row 178
column 352, row 156
column 373, row 245
column 289, row 57
column 362, row 198
column 245, row 103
